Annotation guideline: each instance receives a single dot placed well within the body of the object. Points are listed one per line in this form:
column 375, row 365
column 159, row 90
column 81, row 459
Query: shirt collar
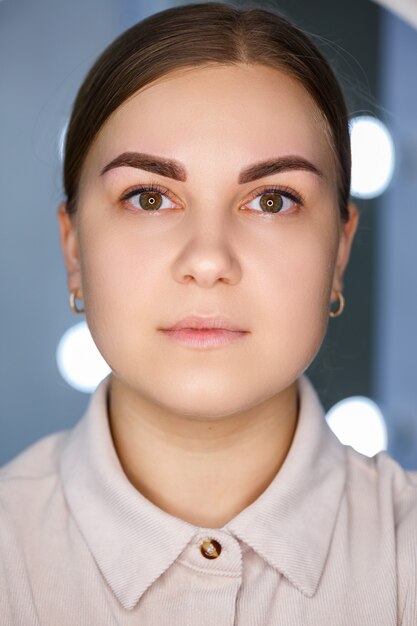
column 290, row 525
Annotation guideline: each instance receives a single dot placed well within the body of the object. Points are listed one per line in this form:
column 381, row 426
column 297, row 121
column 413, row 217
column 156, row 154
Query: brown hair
column 196, row 35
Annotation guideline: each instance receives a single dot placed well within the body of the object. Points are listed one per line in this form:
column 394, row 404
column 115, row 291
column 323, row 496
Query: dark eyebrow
column 273, row 166
column 174, row 169
column 150, row 163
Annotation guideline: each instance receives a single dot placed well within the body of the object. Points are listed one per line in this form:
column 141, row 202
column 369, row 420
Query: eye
column 272, row 200
column 149, row 198
column 276, row 200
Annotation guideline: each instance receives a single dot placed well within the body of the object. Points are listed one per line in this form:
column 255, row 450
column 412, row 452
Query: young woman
column 206, row 227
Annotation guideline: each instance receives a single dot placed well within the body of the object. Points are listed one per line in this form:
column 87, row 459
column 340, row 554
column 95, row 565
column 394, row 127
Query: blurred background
column 365, row 372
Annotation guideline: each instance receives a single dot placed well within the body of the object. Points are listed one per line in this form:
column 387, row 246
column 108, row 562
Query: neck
column 202, row 471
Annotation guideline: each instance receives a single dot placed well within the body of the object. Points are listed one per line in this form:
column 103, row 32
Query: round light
column 373, row 156
column 358, row 422
column 79, row 361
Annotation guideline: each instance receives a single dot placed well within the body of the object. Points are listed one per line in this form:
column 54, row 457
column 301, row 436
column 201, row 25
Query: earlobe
column 69, row 247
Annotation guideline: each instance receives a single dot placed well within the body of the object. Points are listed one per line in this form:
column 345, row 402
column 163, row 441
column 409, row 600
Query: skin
column 202, row 432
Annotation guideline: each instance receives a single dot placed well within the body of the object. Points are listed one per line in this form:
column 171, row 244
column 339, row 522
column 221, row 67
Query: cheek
column 119, row 272
column 295, row 291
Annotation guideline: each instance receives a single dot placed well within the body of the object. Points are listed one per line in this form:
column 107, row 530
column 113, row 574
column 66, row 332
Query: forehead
column 227, row 113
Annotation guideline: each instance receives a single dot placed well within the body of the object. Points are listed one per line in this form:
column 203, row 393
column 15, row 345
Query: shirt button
column 210, row 548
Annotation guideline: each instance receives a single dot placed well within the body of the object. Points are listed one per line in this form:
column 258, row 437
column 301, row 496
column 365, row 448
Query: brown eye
column 271, row 202
column 150, row 200
column 275, row 201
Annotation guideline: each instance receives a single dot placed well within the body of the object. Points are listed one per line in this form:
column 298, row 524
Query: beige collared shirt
column 331, row 541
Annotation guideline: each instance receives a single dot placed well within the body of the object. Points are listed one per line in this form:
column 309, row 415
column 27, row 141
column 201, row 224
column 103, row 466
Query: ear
column 69, row 246
column 345, row 243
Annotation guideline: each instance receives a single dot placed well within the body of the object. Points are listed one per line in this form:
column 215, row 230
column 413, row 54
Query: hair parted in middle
column 202, row 34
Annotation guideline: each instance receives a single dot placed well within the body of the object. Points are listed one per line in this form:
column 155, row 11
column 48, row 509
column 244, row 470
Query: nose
column 209, row 252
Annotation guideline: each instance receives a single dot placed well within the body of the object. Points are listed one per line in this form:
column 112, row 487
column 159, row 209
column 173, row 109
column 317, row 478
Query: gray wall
column 395, row 261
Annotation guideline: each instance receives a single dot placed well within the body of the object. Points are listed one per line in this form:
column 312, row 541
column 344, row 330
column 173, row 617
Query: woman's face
column 214, row 246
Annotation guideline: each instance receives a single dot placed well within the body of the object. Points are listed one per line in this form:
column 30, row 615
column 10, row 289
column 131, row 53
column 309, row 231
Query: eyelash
column 283, row 190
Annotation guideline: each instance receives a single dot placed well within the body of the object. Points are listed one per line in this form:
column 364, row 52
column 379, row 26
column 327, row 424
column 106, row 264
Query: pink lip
column 196, row 322
column 204, row 338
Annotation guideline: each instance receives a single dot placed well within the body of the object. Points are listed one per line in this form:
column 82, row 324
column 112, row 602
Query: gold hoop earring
column 341, row 306
column 73, row 304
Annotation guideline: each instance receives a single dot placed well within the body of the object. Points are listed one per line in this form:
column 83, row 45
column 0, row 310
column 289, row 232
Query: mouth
column 204, row 337
column 195, row 322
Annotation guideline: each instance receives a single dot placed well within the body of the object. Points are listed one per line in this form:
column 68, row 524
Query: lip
column 204, row 337
column 196, row 322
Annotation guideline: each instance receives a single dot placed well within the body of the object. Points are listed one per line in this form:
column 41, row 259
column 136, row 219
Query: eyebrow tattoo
column 174, row 169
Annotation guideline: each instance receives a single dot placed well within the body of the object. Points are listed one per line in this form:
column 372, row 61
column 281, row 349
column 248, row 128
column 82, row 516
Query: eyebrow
column 176, row 170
